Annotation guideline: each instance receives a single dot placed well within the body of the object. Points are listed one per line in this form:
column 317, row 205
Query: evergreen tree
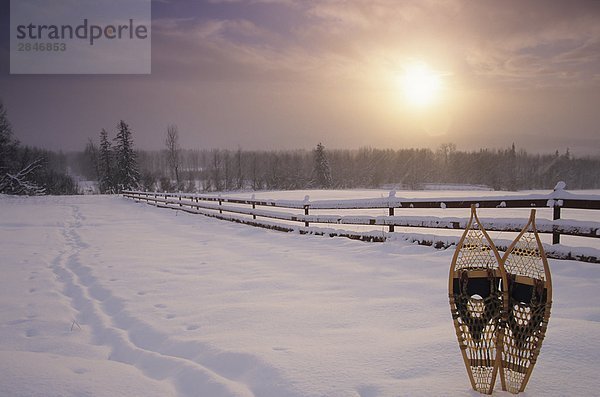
column 105, row 168
column 127, row 175
column 7, row 143
column 321, row 170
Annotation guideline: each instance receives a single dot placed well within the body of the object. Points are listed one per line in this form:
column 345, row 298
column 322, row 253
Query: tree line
column 30, row 171
column 114, row 164
column 202, row 170
column 119, row 167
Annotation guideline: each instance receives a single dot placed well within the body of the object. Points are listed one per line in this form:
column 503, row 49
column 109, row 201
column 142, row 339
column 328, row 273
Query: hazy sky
column 282, row 74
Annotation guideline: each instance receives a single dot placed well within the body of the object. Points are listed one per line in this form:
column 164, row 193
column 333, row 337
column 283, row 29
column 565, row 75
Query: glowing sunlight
column 420, row 85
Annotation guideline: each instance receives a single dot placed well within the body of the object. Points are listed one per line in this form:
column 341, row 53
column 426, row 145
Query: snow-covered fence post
column 306, row 206
column 306, row 213
column 556, row 200
column 555, row 216
column 560, row 186
column 391, row 209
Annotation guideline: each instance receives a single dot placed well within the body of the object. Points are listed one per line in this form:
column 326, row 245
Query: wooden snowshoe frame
column 478, row 304
column 529, row 300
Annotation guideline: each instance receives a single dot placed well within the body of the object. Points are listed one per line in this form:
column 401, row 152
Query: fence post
column 306, row 213
column 253, row 207
column 180, row 202
column 220, row 203
column 555, row 216
column 391, row 196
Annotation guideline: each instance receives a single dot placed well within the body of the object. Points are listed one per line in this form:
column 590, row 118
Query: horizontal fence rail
column 249, row 211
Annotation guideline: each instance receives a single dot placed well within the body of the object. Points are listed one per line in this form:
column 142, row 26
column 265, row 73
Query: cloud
column 520, row 44
column 282, row 73
column 533, row 44
column 585, row 53
column 286, row 2
column 217, row 50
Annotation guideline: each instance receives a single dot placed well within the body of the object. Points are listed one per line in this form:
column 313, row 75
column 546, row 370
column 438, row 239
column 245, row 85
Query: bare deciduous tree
column 173, row 151
column 16, row 177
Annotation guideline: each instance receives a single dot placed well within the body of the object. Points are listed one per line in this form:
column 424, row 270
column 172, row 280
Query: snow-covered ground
column 102, row 296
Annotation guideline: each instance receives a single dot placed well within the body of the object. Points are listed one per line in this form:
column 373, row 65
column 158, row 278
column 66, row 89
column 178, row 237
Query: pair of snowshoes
column 500, row 305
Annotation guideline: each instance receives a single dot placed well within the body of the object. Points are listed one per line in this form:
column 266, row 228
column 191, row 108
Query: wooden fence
column 258, row 212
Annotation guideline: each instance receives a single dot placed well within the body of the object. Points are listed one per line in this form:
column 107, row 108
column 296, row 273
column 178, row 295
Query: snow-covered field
column 101, row 296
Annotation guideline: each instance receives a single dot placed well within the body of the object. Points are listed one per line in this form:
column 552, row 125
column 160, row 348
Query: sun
column 420, row 85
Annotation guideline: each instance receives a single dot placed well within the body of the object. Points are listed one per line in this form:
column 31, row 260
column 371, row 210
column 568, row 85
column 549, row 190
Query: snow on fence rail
column 248, row 211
